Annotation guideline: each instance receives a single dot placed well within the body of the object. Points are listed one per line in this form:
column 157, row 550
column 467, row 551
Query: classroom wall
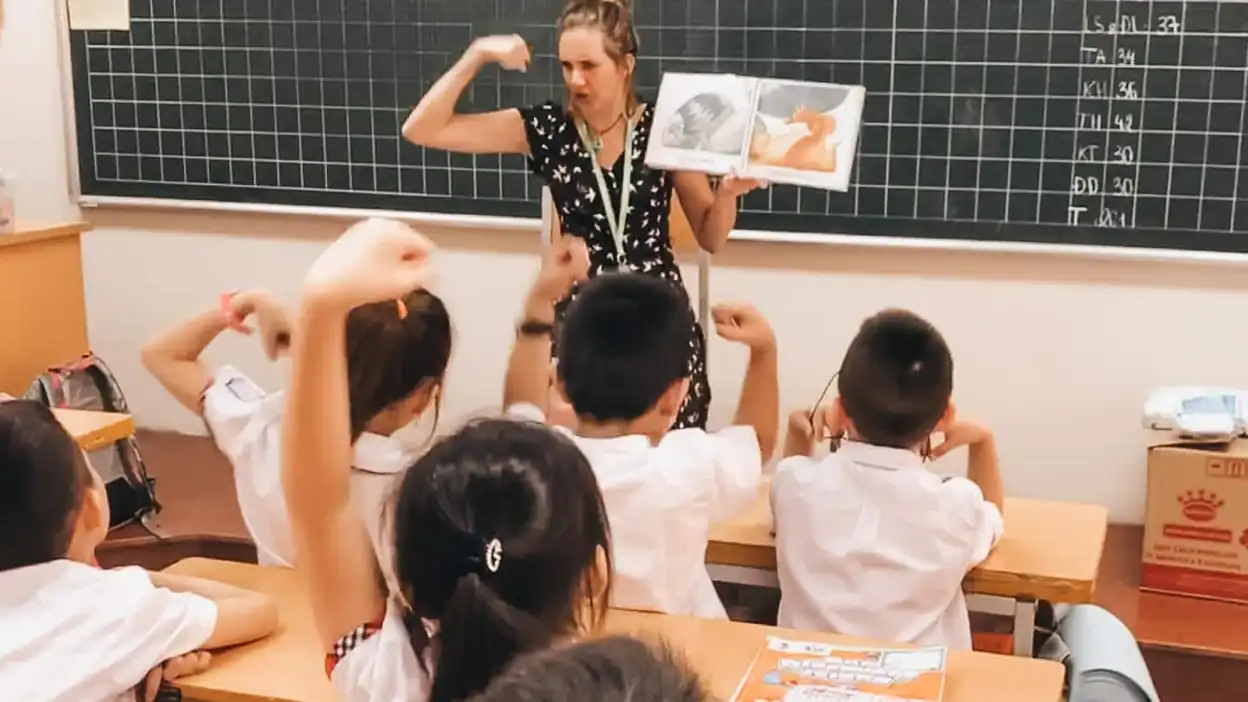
column 1055, row 353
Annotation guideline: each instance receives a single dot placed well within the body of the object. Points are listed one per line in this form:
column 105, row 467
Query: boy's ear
column 670, row 401
column 840, row 420
column 947, row 420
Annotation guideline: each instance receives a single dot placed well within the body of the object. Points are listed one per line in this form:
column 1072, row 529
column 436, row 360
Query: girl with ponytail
column 499, row 533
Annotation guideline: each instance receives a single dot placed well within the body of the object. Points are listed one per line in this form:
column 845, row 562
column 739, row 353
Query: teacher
column 585, row 150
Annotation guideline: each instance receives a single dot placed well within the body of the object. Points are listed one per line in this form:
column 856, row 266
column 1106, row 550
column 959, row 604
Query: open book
column 800, row 671
column 781, row 131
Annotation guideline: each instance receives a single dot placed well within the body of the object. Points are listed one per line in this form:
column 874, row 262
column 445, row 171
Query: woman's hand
column 374, row 260
column 735, row 186
column 510, row 51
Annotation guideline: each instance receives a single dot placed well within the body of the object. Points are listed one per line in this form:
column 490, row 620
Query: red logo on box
column 1200, row 505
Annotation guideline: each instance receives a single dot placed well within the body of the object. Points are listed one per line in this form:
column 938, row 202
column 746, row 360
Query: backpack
column 88, row 384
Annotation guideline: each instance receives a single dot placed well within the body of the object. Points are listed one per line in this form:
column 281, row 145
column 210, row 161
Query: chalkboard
column 1107, row 122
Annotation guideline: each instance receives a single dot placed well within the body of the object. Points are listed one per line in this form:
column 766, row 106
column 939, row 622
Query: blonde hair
column 614, row 19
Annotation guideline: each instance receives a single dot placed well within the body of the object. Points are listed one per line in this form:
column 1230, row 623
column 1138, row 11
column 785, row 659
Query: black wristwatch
column 534, row 327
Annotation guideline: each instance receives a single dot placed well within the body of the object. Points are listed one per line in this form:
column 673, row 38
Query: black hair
column 896, row 379
column 43, row 482
column 624, row 341
column 390, row 354
column 613, row 669
column 497, row 531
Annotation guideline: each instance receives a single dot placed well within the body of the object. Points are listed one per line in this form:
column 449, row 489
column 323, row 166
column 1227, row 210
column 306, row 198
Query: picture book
column 782, row 131
column 800, row 671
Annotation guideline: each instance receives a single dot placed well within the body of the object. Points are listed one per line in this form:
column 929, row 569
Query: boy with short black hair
column 611, row 669
column 868, row 542
column 70, row 630
column 624, row 355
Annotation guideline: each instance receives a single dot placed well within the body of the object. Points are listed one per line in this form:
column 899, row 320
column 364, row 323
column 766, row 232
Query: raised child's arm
column 172, row 356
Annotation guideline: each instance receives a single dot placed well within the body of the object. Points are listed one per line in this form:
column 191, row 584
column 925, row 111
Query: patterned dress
column 557, row 154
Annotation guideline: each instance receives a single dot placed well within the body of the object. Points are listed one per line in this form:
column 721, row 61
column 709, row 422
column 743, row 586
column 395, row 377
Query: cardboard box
column 1196, row 520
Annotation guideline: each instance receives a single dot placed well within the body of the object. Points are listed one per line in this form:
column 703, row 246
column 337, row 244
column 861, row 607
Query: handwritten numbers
column 1127, row 90
column 1123, row 153
column 1124, row 186
column 1168, row 24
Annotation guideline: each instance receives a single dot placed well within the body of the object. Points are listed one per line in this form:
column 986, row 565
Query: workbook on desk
column 803, row 671
column 782, row 131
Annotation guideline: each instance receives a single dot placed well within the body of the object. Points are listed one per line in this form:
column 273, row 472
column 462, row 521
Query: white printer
column 1194, row 412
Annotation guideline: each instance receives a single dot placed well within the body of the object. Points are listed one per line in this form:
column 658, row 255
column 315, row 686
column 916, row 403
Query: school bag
column 88, row 384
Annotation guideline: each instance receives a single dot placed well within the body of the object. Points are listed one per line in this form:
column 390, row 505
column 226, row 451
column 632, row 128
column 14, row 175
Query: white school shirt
column 375, row 663
column 662, row 501
column 246, row 424
column 870, row 543
column 71, row 632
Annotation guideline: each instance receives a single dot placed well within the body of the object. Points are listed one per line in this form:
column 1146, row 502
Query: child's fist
column 743, row 324
column 566, row 265
column 374, row 260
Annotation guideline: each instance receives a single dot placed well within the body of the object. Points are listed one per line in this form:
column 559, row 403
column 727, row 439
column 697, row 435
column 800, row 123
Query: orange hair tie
column 402, row 308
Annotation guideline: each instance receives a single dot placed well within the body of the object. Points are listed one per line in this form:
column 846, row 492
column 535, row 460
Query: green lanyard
column 616, row 224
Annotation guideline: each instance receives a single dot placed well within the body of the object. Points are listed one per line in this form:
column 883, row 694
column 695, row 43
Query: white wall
column 1055, row 353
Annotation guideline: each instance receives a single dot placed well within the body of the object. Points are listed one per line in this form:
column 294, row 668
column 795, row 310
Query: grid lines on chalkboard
column 977, row 110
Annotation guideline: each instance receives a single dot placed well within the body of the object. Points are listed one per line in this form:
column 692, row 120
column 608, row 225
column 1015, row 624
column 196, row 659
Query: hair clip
column 402, row 308
column 493, row 555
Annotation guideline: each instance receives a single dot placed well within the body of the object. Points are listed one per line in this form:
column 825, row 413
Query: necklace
column 595, row 140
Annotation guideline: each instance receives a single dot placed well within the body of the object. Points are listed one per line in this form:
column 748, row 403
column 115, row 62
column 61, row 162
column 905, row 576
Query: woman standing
column 586, row 149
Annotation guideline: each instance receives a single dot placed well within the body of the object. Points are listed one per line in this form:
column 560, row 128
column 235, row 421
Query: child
column 612, row 669
column 500, row 538
column 868, row 542
column 397, row 354
column 624, row 367
column 70, row 630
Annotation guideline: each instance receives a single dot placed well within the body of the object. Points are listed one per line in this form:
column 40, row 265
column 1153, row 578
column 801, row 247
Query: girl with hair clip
column 500, row 538
column 585, row 149
column 397, row 355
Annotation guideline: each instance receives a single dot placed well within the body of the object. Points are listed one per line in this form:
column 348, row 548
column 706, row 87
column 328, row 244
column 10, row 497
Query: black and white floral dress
column 557, row 154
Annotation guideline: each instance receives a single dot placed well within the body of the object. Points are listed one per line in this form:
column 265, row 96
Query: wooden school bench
column 93, row 429
column 1051, row 551
column 289, row 666
column 1196, row 650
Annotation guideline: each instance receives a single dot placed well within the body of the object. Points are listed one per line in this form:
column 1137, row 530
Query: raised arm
column 759, row 406
column 528, row 369
column 434, row 122
column 172, row 356
column 374, row 260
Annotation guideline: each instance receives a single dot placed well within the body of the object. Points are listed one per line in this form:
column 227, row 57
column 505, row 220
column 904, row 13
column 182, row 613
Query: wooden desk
column 288, row 667
column 93, row 430
column 43, row 319
column 1050, row 551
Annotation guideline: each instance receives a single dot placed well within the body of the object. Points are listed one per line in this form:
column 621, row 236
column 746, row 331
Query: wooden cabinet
column 43, row 318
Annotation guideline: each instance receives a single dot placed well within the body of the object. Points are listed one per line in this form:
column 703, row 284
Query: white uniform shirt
column 376, row 663
column 246, row 424
column 71, row 632
column 661, row 503
column 870, row 543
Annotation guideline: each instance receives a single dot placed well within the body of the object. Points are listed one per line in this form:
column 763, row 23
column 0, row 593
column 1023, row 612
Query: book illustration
column 809, row 130
column 777, row 130
column 702, row 122
column 795, row 671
